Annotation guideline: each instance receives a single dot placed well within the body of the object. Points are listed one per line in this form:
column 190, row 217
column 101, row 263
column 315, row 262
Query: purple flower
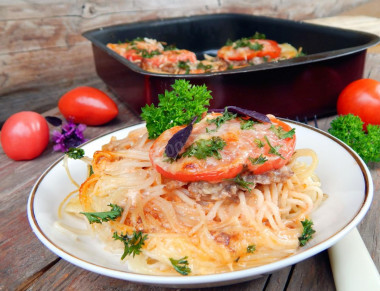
column 71, row 136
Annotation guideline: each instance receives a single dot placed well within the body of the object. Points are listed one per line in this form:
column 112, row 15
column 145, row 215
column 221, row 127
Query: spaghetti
column 214, row 232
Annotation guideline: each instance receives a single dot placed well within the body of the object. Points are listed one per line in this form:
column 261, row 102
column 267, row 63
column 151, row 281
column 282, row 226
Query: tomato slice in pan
column 242, row 147
column 270, row 49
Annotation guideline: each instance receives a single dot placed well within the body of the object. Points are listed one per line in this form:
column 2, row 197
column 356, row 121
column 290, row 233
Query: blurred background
column 43, row 54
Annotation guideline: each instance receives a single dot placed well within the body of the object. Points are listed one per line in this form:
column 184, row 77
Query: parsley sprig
column 176, row 107
column 99, row 217
column 349, row 129
column 307, row 232
column 132, row 244
column 181, row 265
column 75, row 153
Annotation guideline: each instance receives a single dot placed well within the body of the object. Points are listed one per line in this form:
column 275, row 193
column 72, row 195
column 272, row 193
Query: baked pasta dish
column 155, row 56
column 224, row 192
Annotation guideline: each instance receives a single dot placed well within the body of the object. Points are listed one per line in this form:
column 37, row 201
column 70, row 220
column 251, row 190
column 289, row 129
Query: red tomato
column 87, row 105
column 361, row 98
column 24, row 135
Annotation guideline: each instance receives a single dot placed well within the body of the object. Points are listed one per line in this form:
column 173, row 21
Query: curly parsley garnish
column 99, row 217
column 349, row 129
column 181, row 265
column 307, row 232
column 132, row 244
column 204, row 148
column 75, row 153
column 176, row 107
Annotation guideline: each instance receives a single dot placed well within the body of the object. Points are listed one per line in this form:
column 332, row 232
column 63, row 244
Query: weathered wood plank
column 22, row 254
column 318, row 277
column 68, row 277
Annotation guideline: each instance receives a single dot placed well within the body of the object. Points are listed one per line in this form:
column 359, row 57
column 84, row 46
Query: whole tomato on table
column 24, row 135
column 361, row 98
column 87, row 105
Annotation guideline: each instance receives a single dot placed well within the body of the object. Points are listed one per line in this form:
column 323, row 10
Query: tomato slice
column 171, row 57
column 270, row 49
column 242, row 146
column 284, row 149
column 188, row 169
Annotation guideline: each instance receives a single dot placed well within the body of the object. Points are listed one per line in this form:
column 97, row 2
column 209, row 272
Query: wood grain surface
column 25, row 263
column 42, row 44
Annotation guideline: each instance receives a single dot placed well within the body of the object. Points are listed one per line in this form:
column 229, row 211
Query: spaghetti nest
column 247, row 229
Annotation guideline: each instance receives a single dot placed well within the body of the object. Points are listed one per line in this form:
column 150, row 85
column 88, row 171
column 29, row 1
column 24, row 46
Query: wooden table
column 26, row 264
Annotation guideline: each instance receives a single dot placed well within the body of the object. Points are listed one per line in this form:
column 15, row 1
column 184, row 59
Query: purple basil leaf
column 245, row 112
column 178, row 140
column 55, row 121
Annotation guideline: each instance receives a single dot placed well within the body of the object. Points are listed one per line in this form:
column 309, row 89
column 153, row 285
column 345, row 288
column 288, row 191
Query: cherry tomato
column 361, row 98
column 24, row 135
column 87, row 105
column 241, row 148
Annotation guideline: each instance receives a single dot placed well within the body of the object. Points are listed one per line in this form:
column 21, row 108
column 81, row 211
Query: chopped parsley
column 204, row 148
column 242, row 183
column 75, row 153
column 281, row 133
column 247, row 124
column 259, row 143
column 251, row 248
column 307, row 232
column 258, row 161
column 148, row 54
column 132, row 244
column 218, row 121
column 90, row 171
column 181, row 265
column 176, row 107
column 273, row 150
column 99, row 217
column 184, row 65
column 204, row 67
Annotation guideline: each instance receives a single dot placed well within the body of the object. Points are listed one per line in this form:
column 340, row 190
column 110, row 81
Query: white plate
column 344, row 176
